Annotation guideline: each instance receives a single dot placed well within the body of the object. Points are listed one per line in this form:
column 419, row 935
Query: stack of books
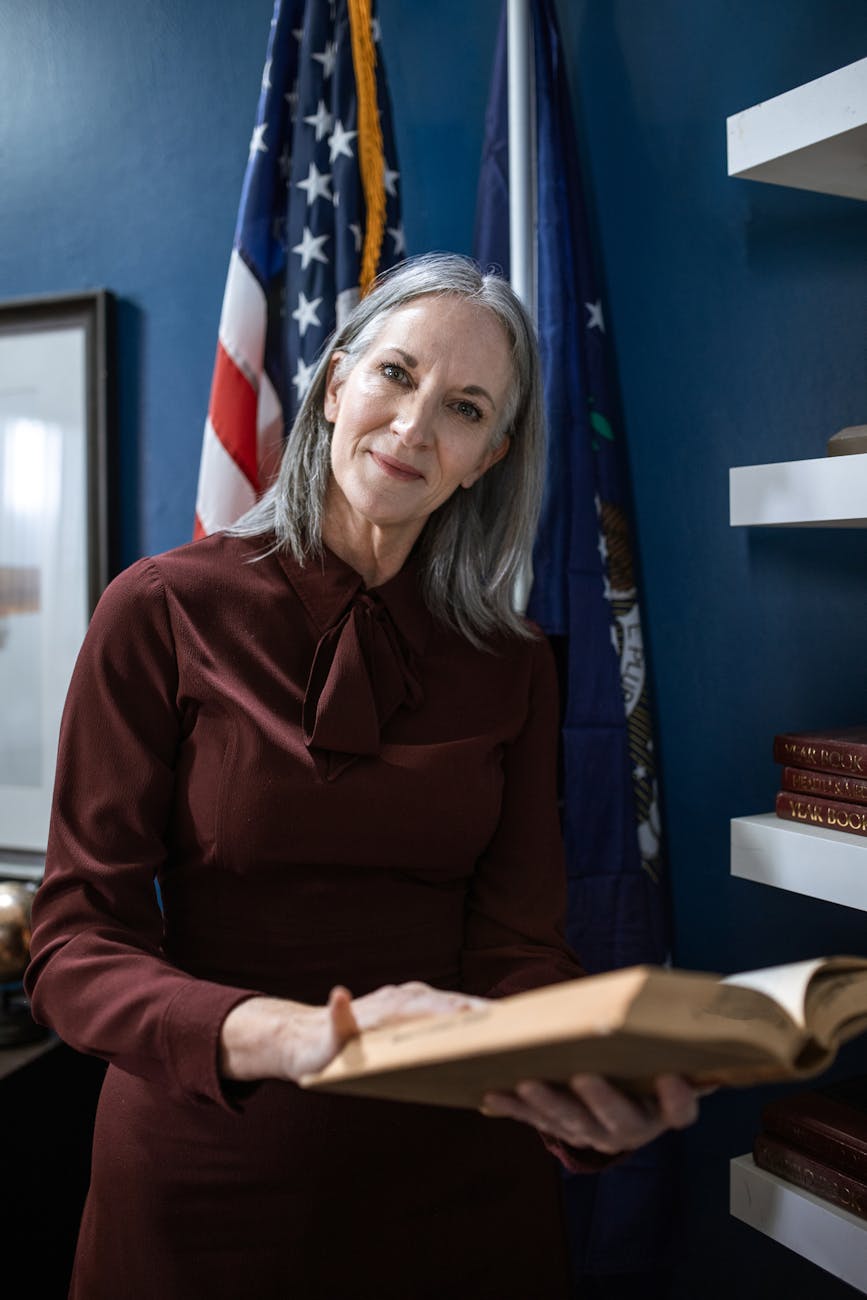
column 824, row 779
column 818, row 1140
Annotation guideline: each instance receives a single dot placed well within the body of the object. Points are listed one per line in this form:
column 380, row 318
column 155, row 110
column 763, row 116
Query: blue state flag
column 584, row 595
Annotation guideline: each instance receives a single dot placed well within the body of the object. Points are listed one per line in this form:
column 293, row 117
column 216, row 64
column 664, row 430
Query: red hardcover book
column 841, row 750
column 824, row 785
column 809, row 811
column 813, row 1175
column 829, row 1123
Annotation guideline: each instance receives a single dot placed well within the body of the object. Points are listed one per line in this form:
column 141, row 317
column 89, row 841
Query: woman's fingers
column 394, row 1003
column 678, row 1102
column 592, row 1112
column 343, row 1022
column 623, row 1122
column 551, row 1110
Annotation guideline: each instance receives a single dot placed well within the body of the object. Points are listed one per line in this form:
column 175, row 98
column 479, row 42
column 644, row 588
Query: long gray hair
column 478, row 543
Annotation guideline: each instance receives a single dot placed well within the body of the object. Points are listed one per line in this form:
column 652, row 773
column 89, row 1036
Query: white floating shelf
column 830, row 491
column 811, row 138
column 831, row 865
column 815, row 1229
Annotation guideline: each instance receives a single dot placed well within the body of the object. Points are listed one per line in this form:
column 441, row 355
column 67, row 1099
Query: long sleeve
column 98, row 974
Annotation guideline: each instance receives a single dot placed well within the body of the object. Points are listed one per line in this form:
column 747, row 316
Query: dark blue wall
column 739, row 316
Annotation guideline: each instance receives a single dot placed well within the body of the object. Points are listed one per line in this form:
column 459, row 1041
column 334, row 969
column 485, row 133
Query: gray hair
column 478, row 543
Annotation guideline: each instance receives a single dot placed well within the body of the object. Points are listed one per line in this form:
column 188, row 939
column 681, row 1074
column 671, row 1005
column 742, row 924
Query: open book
column 630, row 1025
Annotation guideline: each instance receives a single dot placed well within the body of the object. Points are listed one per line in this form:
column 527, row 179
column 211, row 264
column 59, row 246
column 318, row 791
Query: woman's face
column 415, row 417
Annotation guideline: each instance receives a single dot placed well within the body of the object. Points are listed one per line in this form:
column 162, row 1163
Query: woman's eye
column 468, row 410
column 391, row 370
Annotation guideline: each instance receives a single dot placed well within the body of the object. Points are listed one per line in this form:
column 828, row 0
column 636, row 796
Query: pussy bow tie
column 362, row 673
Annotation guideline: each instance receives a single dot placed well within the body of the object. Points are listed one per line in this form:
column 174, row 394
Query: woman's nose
column 412, row 423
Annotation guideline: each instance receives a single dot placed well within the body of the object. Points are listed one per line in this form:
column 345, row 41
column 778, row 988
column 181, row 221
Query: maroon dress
column 328, row 787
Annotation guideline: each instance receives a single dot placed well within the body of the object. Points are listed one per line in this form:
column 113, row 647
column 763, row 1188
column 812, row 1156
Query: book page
column 837, row 1005
column 787, row 985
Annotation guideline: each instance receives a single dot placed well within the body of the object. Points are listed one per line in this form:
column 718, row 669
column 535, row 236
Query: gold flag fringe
column 371, row 158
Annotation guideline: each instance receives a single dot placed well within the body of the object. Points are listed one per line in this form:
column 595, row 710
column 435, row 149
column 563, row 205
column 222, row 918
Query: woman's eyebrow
column 476, row 390
column 471, row 390
column 410, row 360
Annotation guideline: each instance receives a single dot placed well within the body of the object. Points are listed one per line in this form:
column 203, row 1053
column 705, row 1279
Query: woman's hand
column 395, row 1003
column 590, row 1112
column 273, row 1038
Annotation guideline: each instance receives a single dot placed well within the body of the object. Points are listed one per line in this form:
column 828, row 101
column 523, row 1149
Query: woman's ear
column 490, row 458
column 331, row 402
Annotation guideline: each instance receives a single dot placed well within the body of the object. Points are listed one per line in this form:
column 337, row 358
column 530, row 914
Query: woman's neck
column 378, row 554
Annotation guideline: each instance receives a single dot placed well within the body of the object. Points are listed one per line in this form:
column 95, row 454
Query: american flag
column 319, row 215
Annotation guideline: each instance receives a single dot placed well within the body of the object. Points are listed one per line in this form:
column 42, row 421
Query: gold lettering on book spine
column 821, row 1183
column 833, row 757
column 847, row 821
column 842, row 788
column 817, row 814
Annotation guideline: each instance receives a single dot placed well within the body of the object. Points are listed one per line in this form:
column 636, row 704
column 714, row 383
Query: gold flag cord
column 371, row 159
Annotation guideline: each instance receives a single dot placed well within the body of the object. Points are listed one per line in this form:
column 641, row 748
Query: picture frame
column 55, row 448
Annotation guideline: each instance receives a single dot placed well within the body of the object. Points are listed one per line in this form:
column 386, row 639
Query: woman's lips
column 396, row 468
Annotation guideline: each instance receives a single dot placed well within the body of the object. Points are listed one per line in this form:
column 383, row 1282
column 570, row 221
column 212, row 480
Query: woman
column 330, row 739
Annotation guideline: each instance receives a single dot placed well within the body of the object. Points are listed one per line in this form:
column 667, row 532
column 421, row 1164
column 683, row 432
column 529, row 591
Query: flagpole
column 522, row 186
column 521, row 178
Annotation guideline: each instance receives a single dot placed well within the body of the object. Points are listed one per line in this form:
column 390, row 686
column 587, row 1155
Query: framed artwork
column 54, row 517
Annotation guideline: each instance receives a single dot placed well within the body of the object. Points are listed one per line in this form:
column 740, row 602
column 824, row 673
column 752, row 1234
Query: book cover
column 811, row 811
column 829, row 1123
column 804, row 1170
column 841, row 750
column 825, row 785
column 631, row 1025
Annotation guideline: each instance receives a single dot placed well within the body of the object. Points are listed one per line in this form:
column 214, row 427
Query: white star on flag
column 305, row 313
column 339, row 141
column 310, row 249
column 399, row 238
column 303, row 378
column 356, row 234
column 595, row 321
column 321, row 120
column 266, row 76
column 389, row 181
column 327, row 58
column 316, row 185
column 257, row 141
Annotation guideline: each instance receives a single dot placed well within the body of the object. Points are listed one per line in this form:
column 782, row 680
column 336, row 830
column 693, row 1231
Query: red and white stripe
column 243, row 438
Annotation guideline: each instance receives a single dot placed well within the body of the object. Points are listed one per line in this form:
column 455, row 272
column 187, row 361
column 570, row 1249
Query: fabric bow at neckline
column 363, row 667
column 362, row 673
